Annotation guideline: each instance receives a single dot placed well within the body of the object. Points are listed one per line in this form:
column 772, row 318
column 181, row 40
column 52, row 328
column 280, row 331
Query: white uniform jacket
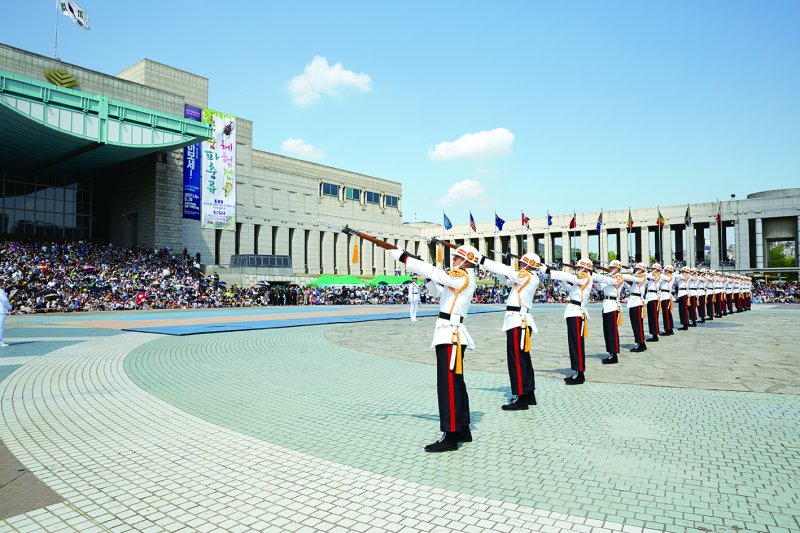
column 654, row 280
column 455, row 294
column 414, row 292
column 665, row 287
column 692, row 284
column 579, row 291
column 523, row 289
column 683, row 284
column 637, row 284
column 5, row 305
column 611, row 287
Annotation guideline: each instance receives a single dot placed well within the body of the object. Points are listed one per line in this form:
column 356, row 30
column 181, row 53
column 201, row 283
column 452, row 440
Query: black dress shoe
column 683, row 328
column 520, row 404
column 465, row 435
column 611, row 360
column 693, row 325
column 531, row 396
column 447, row 443
column 639, row 348
column 577, row 380
column 654, row 338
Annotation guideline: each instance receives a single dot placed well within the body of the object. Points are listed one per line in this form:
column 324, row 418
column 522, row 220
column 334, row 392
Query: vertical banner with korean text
column 218, row 198
column 192, row 163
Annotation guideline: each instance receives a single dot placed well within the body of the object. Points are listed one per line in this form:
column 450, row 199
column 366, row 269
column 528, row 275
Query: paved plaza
column 321, row 428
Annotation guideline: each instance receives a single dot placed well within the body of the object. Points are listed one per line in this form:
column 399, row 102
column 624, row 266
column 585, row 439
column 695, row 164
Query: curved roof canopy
column 53, row 129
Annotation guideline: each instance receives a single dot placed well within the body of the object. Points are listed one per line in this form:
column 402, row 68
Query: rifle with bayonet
column 570, row 265
column 347, row 230
column 434, row 241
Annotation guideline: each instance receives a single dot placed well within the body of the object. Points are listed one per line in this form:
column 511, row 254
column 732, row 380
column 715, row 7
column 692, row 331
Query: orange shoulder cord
column 644, row 300
column 581, row 276
column 456, row 338
column 618, row 287
column 526, row 343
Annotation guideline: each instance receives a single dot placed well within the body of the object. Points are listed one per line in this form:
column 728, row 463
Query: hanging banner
column 218, row 199
column 192, row 168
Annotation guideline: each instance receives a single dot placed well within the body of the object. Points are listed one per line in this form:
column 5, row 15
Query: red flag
column 719, row 214
column 573, row 222
column 525, row 221
column 472, row 222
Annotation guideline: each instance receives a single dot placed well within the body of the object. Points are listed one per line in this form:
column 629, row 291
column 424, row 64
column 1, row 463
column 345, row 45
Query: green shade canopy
column 329, row 280
column 389, row 280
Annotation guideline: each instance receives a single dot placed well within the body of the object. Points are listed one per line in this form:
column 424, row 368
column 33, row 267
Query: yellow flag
column 355, row 253
column 438, row 254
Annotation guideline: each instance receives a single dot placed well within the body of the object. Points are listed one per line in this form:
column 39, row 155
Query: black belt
column 610, row 298
column 664, row 290
column 651, row 290
column 575, row 302
column 513, row 308
column 636, row 294
column 446, row 316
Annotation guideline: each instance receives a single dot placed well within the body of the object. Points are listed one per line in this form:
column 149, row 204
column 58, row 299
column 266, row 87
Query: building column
column 666, row 245
column 282, row 241
column 644, row 237
column 602, row 245
column 566, row 247
column 548, row 248
column 341, row 250
column 716, row 244
column 759, row 244
column 312, row 259
column 624, row 254
column 742, row 229
column 297, row 251
column 327, row 252
column 585, row 244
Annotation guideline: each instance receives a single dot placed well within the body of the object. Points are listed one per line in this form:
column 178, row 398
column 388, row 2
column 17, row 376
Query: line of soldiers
column 699, row 294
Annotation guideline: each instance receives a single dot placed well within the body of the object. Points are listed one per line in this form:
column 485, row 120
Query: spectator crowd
column 82, row 276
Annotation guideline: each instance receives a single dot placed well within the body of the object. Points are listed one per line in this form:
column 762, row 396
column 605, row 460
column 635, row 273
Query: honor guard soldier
column 611, row 285
column 653, row 301
column 414, row 297
column 707, row 307
column 518, row 325
column 729, row 293
column 738, row 294
column 694, row 294
column 637, row 283
column 5, row 308
column 576, row 315
column 719, row 309
column 450, row 338
column 665, row 297
column 682, row 281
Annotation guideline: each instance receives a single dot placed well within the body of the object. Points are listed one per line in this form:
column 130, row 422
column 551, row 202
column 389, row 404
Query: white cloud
column 466, row 192
column 319, row 78
column 484, row 145
column 301, row 148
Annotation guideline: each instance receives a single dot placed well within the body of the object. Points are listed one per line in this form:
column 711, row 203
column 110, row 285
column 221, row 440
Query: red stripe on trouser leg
column 579, row 339
column 451, row 392
column 520, row 390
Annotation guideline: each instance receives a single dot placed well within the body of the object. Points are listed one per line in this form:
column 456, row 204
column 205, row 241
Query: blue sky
column 490, row 106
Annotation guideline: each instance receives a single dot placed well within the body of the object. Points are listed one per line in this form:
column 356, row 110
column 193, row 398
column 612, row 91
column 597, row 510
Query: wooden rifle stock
column 347, row 230
column 434, row 240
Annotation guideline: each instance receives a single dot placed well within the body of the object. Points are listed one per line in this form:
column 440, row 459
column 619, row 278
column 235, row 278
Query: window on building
column 352, row 194
column 392, row 201
column 373, row 198
column 329, row 189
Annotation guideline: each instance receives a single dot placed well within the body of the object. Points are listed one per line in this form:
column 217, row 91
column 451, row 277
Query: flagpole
column 55, row 39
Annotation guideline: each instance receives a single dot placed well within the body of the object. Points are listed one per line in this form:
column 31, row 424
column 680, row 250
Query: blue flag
column 498, row 222
column 549, row 219
column 600, row 221
column 447, row 223
column 687, row 218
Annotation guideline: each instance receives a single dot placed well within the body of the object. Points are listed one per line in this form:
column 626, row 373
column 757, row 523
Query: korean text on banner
column 218, row 201
column 192, row 168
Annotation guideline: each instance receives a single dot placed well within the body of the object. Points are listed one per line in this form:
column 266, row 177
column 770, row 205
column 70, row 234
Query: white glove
column 395, row 253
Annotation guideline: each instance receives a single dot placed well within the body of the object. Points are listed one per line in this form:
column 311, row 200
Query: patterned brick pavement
column 284, row 430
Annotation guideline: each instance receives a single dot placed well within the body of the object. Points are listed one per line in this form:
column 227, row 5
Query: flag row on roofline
column 525, row 220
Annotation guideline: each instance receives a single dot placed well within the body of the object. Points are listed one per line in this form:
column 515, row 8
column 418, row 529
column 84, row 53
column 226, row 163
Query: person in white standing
column 414, row 296
column 5, row 307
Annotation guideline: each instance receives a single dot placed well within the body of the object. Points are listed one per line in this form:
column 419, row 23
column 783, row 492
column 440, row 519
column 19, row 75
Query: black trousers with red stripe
column 702, row 302
column 452, row 391
column 611, row 331
column 577, row 351
column 666, row 315
column 652, row 317
column 729, row 300
column 520, row 367
column 637, row 323
column 683, row 309
column 720, row 304
column 693, row 308
column 710, row 306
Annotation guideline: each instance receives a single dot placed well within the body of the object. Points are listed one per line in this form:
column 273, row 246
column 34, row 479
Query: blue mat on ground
column 195, row 329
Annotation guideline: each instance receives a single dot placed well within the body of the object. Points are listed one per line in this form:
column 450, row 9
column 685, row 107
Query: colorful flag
column 660, row 220
column 355, row 253
column 687, row 218
column 573, row 222
column 472, row 222
column 630, row 220
column 439, row 254
column 447, row 223
column 549, row 219
column 526, row 221
column 498, row 222
column 600, row 220
column 719, row 213
column 71, row 9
